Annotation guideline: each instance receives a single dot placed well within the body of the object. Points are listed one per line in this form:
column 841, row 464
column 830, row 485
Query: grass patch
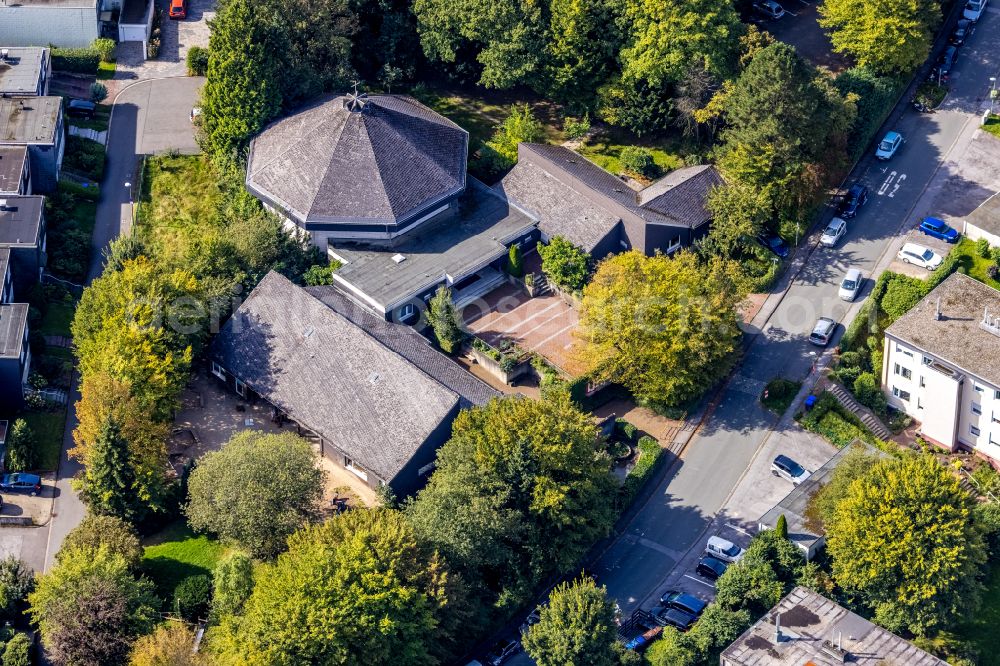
column 48, row 428
column 972, row 264
column 176, row 553
column 106, row 70
column 832, row 421
column 58, row 317
column 992, row 125
column 604, row 149
column 780, row 394
column 85, row 157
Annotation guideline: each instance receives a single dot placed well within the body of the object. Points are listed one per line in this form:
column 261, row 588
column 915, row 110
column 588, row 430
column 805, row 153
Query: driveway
column 799, row 28
column 696, row 490
column 176, row 38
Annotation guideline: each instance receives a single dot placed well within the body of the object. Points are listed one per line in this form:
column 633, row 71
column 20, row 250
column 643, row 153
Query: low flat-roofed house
column 984, row 222
column 37, row 124
column 15, row 356
column 942, row 366
column 380, row 399
column 24, row 71
column 807, row 628
column 22, row 233
column 15, row 172
column 574, row 198
column 62, row 23
column 803, row 530
column 135, row 23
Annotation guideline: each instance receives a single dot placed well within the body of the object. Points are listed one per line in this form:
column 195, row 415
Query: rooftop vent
column 4, row 53
column 373, row 378
column 398, row 258
column 308, row 332
column 990, row 324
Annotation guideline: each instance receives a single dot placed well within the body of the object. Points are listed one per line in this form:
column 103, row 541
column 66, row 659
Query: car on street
column 822, row 331
column 936, row 228
column 178, row 9
column 918, row 255
column 856, row 197
column 850, row 286
column 21, row 483
column 961, row 32
column 888, row 146
column 946, row 63
column 671, row 617
column 769, row 9
column 724, row 549
column 789, row 470
column 710, row 567
column 833, row 232
column 682, row 601
column 81, row 108
column 501, row 652
column 774, row 243
column 532, row 619
column 974, row 9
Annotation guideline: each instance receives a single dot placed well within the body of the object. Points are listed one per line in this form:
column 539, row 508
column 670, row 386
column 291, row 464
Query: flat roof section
column 453, row 247
column 12, row 163
column 13, row 319
column 21, row 69
column 987, row 216
column 28, row 120
column 20, row 220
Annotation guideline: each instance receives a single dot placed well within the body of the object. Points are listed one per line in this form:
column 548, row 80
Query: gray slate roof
column 987, row 215
column 412, row 346
column 455, row 247
column 13, row 319
column 810, row 624
column 20, row 220
column 12, row 161
column 382, row 164
column 20, row 72
column 331, row 376
column 956, row 338
column 29, row 120
column 577, row 199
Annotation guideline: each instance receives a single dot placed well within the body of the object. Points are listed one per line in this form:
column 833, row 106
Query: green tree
column 520, row 126
column 639, row 161
column 672, row 648
column 192, row 596
column 243, row 90
column 903, row 541
column 321, row 274
column 232, row 583
column 197, row 61
column 716, row 629
column 782, row 527
column 577, row 626
column 739, row 214
column 169, row 645
column 901, row 294
column 108, row 483
column 17, row 652
column 635, row 105
column 564, row 263
column 580, row 51
column 16, row 582
column 515, row 262
column 443, row 317
column 894, row 37
column 21, row 447
column 664, row 327
column 255, row 491
column 669, row 36
column 110, row 532
column 751, row 584
column 89, row 608
column 356, row 589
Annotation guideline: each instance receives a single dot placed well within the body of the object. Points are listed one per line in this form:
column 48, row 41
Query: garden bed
column 829, row 419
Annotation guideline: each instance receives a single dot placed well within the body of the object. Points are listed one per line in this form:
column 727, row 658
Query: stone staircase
column 541, row 285
column 871, row 421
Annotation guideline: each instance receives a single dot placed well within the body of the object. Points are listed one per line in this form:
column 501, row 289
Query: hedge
column 829, row 419
column 85, row 157
column 91, row 194
column 77, row 61
column 626, row 430
column 650, row 457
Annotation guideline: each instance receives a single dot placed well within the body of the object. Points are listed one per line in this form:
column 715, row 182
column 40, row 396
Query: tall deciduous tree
column 580, row 51
column 894, row 36
column 664, row 327
column 244, row 82
column 576, row 627
column 90, row 608
column 357, row 589
column 444, row 319
column 108, row 485
column 255, row 491
column 109, row 532
column 903, row 540
column 564, row 263
column 16, row 582
column 232, row 584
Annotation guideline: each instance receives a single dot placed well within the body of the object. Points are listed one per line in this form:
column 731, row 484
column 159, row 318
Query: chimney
column 937, row 310
column 777, row 628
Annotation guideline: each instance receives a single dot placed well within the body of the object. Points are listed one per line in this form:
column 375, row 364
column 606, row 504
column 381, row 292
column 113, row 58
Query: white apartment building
column 942, row 366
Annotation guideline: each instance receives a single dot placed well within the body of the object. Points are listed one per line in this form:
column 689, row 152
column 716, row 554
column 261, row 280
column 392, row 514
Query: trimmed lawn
column 974, row 265
column 58, row 317
column 48, row 430
column 605, row 148
column 176, row 553
column 993, row 125
column 981, row 633
column 106, row 70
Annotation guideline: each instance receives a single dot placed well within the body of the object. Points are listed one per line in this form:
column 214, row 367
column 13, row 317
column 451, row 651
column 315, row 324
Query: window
column 426, row 469
column 977, row 408
column 996, row 395
column 928, row 360
column 241, row 388
column 922, row 385
column 906, row 352
column 902, row 395
column 218, row 371
column 919, row 403
column 974, row 430
column 996, row 417
column 978, row 388
column 407, row 312
column 905, row 372
column 355, row 469
column 674, row 244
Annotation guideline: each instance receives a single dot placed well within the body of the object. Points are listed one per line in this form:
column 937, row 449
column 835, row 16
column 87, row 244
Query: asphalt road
column 685, row 504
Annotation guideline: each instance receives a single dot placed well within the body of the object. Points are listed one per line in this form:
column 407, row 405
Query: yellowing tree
column 903, row 540
column 891, row 36
column 664, row 327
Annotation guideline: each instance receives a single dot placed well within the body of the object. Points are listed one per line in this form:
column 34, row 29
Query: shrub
column 626, row 430
column 76, row 61
column 576, row 128
column 993, row 272
column 859, row 328
column 197, row 61
column 782, row 526
column 865, row 388
column 98, row 92
column 829, row 419
column 21, row 447
column 18, row 651
column 320, row 274
column 638, row 161
column 563, row 262
column 85, row 157
column 983, row 248
column 191, row 598
column 901, row 294
column 848, row 374
column 68, row 187
column 105, row 49
column 515, row 262
column 650, row 454
column 851, row 359
column 995, row 254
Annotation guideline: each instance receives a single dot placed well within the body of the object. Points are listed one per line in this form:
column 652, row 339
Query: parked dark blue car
column 856, row 197
column 774, row 243
column 938, row 229
column 24, row 483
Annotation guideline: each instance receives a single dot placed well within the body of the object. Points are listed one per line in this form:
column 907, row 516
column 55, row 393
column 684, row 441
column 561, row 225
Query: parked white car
column 888, row 146
column 850, row 286
column 833, row 232
column 724, row 549
column 974, row 9
column 918, row 255
column 789, row 470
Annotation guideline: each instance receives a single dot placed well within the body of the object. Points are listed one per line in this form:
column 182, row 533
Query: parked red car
column 178, row 9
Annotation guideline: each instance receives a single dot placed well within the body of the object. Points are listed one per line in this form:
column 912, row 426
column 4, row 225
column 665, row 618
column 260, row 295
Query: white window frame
column 974, row 431
column 901, row 394
column 903, row 371
column 218, row 371
column 356, row 470
column 672, row 246
column 427, row 469
column 977, row 409
column 241, row 387
column 977, row 388
column 406, row 311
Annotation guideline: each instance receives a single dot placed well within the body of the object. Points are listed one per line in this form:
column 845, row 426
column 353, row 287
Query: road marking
column 790, row 13
column 887, row 183
column 554, row 335
column 739, row 529
column 899, row 181
column 699, row 580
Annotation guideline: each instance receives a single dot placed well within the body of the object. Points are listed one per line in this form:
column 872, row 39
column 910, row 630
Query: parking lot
column 799, row 28
column 940, row 247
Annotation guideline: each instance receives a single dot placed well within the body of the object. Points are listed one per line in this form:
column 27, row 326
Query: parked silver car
column 850, row 286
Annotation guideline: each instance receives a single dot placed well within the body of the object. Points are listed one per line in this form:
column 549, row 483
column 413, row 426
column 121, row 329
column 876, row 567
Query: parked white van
column 724, row 549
